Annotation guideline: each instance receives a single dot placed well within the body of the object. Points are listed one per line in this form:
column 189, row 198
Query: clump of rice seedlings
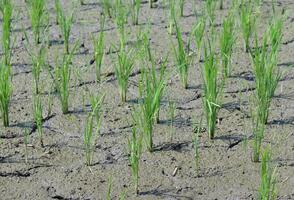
column 183, row 59
column 210, row 6
column 182, row 3
column 5, row 92
column 6, row 10
column 227, row 40
column 26, row 142
column 89, row 140
column 247, row 21
column 99, row 47
column 275, row 36
column 135, row 150
column 38, row 117
column 267, row 189
column 37, row 12
column 65, row 24
column 212, row 89
column 121, row 15
column 123, row 70
column 171, row 114
column 62, row 74
column 198, row 33
column 135, row 6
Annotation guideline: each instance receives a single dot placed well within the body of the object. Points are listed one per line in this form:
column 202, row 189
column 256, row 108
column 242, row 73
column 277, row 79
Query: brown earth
column 57, row 171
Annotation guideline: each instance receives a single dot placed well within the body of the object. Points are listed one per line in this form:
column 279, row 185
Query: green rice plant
column 108, row 195
column 89, row 139
column 58, row 9
column 37, row 12
column 210, row 6
column 275, row 36
column 196, row 145
column 267, row 189
column 123, row 70
column 258, row 133
column 247, row 22
column 6, row 9
column 62, row 74
column 65, row 24
column 135, row 150
column 171, row 114
column 5, row 91
column 107, row 6
column 183, row 58
column 182, row 3
column 198, row 33
column 212, row 90
column 121, row 15
column 99, row 46
column 96, row 105
column 26, row 142
column 172, row 15
column 38, row 117
column 227, row 41
column 135, row 6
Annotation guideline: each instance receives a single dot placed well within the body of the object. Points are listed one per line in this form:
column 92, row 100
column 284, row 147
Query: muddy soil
column 57, row 171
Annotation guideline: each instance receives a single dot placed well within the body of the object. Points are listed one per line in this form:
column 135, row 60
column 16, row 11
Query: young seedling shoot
column 62, row 74
column 99, row 47
column 210, row 6
column 135, row 150
column 268, row 184
column 172, row 16
column 183, row 59
column 107, row 7
column 182, row 4
column 38, row 117
column 123, row 70
column 227, row 41
column 198, row 33
column 37, row 12
column 65, row 24
column 212, row 89
column 5, row 91
column 6, row 9
column 135, row 6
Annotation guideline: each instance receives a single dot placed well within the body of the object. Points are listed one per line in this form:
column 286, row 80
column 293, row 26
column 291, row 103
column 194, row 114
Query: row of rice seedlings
column 135, row 151
column 90, row 137
column 212, row 89
column 99, row 46
column 6, row 9
column 38, row 116
column 182, row 56
column 5, row 91
column 37, row 12
column 247, row 22
column 62, row 74
column 65, row 24
column 268, row 188
column 123, row 70
column 135, row 6
column 227, row 41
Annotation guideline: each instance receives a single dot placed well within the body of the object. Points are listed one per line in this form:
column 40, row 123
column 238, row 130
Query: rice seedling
column 65, row 24
column 6, row 9
column 198, row 33
column 267, row 189
column 5, row 91
column 275, row 36
column 183, row 59
column 123, row 70
column 58, row 9
column 135, row 150
column 89, row 140
column 26, row 142
column 38, row 117
column 212, row 90
column 121, row 15
column 99, row 47
column 172, row 16
column 37, row 12
column 171, row 114
column 182, row 3
column 107, row 7
column 227, row 40
column 247, row 22
column 210, row 6
column 135, row 6
column 62, row 74
column 96, row 105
